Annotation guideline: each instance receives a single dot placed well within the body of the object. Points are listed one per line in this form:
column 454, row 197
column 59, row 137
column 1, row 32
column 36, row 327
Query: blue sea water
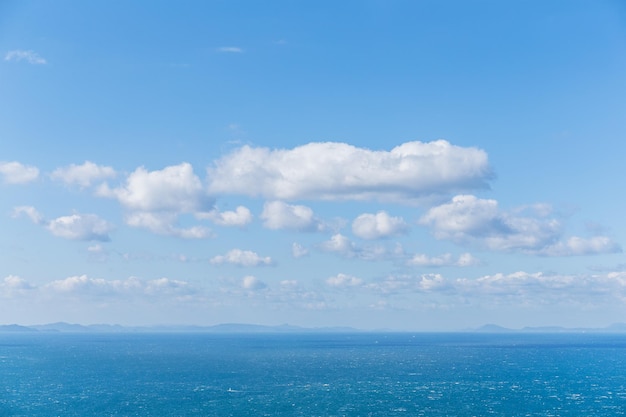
column 312, row 375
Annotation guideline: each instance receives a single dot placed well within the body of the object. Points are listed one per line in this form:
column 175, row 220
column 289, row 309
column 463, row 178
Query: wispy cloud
column 29, row 56
column 230, row 49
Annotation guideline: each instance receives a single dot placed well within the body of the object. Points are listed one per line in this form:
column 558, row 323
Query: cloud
column 82, row 175
column 241, row 258
column 240, row 217
column 344, row 281
column 471, row 220
column 230, row 49
column 279, row 215
column 74, row 227
column 164, row 223
column 379, row 225
column 13, row 285
column 252, row 283
column 28, row 56
column 154, row 200
column 402, row 284
column 298, row 251
column 16, row 173
column 175, row 188
column 338, row 171
column 344, row 247
column 445, row 259
column 82, row 285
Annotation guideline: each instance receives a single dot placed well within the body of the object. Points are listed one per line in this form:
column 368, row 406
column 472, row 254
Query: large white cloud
column 241, row 258
column 471, row 220
column 17, row 173
column 175, row 188
column 154, row 200
column 83, row 175
column 379, row 225
column 280, row 215
column 339, row 171
column 75, row 226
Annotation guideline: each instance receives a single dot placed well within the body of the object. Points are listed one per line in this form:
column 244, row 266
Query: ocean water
column 312, row 375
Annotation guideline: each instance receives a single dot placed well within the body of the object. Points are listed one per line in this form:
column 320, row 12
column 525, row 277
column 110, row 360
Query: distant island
column 233, row 328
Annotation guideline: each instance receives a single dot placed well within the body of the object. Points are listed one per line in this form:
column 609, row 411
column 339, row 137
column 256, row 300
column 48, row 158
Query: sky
column 407, row 165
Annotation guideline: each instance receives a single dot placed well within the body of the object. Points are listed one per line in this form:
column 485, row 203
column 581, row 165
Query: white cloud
column 83, row 175
column 164, row 223
column 16, row 173
column 445, row 259
column 471, row 220
column 338, row 171
column 230, row 49
column 75, row 226
column 279, row 215
column 252, row 283
column 83, row 285
column 339, row 243
column 21, row 55
column 154, row 200
column 379, row 225
column 175, row 188
column 241, row 258
column 240, row 217
column 80, row 227
column 399, row 284
column 12, row 285
column 298, row 251
column 344, row 281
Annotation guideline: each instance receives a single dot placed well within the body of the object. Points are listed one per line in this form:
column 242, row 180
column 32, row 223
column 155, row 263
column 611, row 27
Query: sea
column 348, row 374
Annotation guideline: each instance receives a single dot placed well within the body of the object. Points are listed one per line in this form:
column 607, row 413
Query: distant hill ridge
column 62, row 327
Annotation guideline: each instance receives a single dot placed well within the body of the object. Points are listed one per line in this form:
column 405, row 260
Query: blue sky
column 411, row 165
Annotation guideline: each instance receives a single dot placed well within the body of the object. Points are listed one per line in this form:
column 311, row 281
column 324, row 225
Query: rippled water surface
column 312, row 375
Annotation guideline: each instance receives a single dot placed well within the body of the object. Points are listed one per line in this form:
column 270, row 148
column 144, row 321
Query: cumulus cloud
column 252, row 283
column 16, row 173
column 164, row 223
column 241, row 258
column 13, row 285
column 343, row 281
column 397, row 284
column 445, row 259
column 28, row 56
column 379, row 225
column 339, row 171
column 343, row 246
column 240, row 217
column 298, row 251
column 83, row 175
column 154, row 200
column 75, row 226
column 280, row 215
column 339, row 243
column 81, row 285
column 471, row 220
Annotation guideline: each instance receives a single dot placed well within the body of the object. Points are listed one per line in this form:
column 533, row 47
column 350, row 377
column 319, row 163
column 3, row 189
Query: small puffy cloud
column 397, row 284
column 339, row 243
column 241, row 258
column 471, row 220
column 28, row 56
column 343, row 246
column 75, row 226
column 80, row 227
column 339, row 171
column 82, row 175
column 240, row 217
column 278, row 215
column 164, row 223
column 16, row 173
column 343, row 281
column 252, row 283
column 230, row 49
column 445, row 259
column 379, row 225
column 298, row 251
column 13, row 284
